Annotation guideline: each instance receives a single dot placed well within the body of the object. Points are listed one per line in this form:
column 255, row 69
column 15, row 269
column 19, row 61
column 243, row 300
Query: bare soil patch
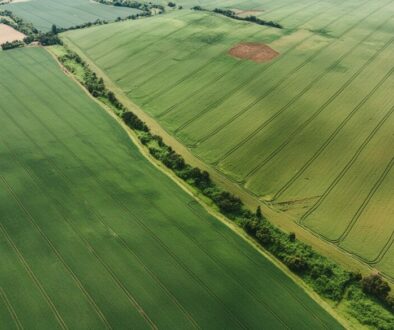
column 7, row 33
column 253, row 51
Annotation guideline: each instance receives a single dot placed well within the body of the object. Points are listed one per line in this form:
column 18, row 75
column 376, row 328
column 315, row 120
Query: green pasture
column 44, row 13
column 93, row 236
column 309, row 133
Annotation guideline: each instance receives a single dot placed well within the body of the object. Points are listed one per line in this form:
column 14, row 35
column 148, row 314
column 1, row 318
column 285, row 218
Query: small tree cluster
column 12, row 44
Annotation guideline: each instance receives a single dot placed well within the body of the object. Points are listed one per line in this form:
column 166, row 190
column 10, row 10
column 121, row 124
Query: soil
column 7, row 33
column 252, row 51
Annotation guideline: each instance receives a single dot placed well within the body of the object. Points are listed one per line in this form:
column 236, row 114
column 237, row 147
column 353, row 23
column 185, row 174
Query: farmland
column 310, row 132
column 43, row 13
column 8, row 34
column 93, row 236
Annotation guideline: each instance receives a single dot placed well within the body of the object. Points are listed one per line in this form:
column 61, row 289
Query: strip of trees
column 231, row 14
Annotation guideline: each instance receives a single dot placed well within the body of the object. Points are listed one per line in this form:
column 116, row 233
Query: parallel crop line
column 295, row 98
column 347, row 167
column 139, row 221
column 241, row 251
column 56, row 92
column 314, row 115
column 145, row 47
column 149, row 63
column 249, row 81
column 117, row 281
column 190, row 75
column 59, row 256
column 243, row 84
column 10, row 309
column 99, row 217
column 124, row 32
column 26, row 265
column 110, row 271
column 333, row 135
column 230, row 274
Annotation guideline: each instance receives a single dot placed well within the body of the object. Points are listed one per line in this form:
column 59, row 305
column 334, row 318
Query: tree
column 54, row 29
column 292, row 237
column 296, row 263
column 375, row 285
column 259, row 215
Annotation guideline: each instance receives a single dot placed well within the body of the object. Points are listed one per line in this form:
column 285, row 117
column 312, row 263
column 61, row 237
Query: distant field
column 64, row 13
column 93, row 236
column 310, row 132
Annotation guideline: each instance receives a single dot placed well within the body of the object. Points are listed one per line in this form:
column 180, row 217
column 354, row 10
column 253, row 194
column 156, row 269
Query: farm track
column 299, row 95
column 188, row 76
column 333, row 135
column 10, row 309
column 346, row 168
column 325, row 105
column 138, row 219
column 361, row 209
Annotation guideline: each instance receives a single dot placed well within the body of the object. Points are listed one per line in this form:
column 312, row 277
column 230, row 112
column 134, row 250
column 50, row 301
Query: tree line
column 231, row 14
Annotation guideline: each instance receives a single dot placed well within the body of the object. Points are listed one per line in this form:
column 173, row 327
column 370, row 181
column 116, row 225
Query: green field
column 65, row 13
column 310, row 133
column 93, row 236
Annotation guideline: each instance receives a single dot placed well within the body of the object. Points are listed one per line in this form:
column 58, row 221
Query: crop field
column 43, row 13
column 8, row 34
column 309, row 132
column 94, row 236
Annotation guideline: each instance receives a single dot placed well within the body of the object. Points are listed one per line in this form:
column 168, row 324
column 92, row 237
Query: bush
column 10, row 45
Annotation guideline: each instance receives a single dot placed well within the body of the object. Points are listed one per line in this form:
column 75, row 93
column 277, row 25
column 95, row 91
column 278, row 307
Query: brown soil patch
column 7, row 33
column 254, row 52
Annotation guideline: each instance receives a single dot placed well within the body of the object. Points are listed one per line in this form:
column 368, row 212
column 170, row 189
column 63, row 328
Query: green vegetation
column 147, row 8
column 65, row 14
column 325, row 277
column 308, row 132
column 94, row 236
